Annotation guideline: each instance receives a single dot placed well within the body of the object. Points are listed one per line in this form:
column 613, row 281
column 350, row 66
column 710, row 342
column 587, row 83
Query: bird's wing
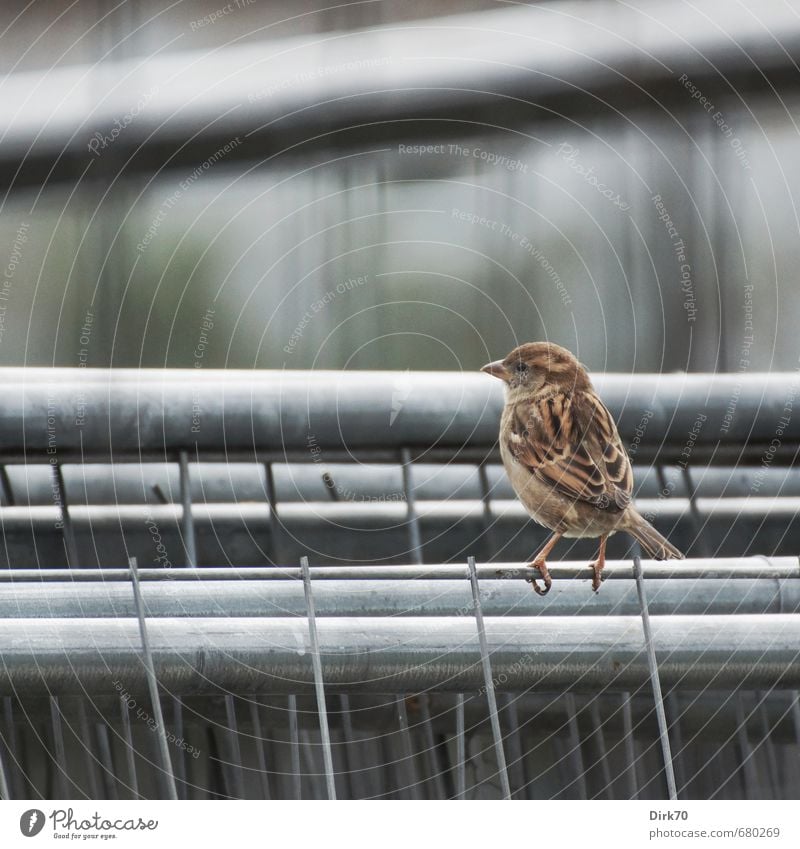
column 571, row 443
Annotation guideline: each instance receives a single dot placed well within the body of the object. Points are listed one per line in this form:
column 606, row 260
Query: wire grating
column 399, row 675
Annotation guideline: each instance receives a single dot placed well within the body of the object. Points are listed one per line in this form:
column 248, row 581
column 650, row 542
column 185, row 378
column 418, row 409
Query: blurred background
column 264, row 184
column 399, row 185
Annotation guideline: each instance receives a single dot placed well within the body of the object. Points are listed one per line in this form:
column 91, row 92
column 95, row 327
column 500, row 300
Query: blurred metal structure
column 252, row 176
column 279, row 100
column 431, row 680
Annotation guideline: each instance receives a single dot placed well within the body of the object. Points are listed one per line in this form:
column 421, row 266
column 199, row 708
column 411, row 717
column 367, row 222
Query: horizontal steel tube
column 372, row 512
column 354, row 533
column 138, row 414
column 373, row 482
column 698, row 568
column 419, row 597
column 369, row 515
column 354, row 483
column 405, row 655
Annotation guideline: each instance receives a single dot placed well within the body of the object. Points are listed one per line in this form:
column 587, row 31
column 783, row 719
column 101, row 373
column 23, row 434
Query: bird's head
column 539, row 365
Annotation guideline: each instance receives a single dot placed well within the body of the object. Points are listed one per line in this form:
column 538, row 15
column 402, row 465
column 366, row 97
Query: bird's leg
column 598, row 564
column 538, row 563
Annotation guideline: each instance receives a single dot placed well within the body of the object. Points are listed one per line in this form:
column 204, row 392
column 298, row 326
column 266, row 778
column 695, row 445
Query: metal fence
column 163, row 635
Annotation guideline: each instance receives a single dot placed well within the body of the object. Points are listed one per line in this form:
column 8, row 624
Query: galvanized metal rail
column 411, row 654
column 252, row 415
column 301, row 482
column 699, row 587
column 738, row 568
column 247, row 533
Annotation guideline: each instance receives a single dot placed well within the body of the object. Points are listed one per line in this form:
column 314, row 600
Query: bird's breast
column 548, row 507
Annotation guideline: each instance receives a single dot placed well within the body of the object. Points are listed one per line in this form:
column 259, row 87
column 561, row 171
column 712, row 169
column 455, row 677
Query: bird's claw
column 596, row 578
column 548, row 582
column 543, row 571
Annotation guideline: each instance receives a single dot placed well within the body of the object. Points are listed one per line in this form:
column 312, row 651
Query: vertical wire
column 699, row 539
column 353, row 772
column 319, row 684
column 749, row 773
column 133, row 781
column 66, row 519
column 294, row 750
column 414, row 533
column 630, row 746
column 5, row 778
column 461, row 749
column 310, row 767
column 795, row 709
column 180, row 761
column 58, row 741
column 430, row 748
column 412, row 782
column 261, row 756
column 600, row 742
column 575, row 743
column 514, row 743
column 68, row 534
column 5, row 486
column 382, row 757
column 5, row 793
column 768, row 746
column 234, row 765
column 104, row 749
column 415, row 550
column 91, row 761
column 487, row 677
column 187, row 520
column 655, row 682
column 12, row 745
column 152, row 685
column 272, row 504
column 675, row 727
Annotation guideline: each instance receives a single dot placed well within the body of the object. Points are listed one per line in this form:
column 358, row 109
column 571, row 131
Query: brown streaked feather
column 570, row 442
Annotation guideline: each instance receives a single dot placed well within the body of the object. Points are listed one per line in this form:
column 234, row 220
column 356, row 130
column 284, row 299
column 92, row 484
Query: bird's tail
column 654, row 545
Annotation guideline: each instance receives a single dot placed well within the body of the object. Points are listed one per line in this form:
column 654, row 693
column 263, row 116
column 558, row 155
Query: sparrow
column 564, row 457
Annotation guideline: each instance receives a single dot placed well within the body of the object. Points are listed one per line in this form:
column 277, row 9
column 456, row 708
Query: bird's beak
column 496, row 369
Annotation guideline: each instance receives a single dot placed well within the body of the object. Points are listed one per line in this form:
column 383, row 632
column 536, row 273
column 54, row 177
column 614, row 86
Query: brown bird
column 564, row 457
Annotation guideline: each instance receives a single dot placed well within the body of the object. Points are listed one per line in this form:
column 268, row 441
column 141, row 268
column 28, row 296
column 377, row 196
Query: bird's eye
column 521, row 367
